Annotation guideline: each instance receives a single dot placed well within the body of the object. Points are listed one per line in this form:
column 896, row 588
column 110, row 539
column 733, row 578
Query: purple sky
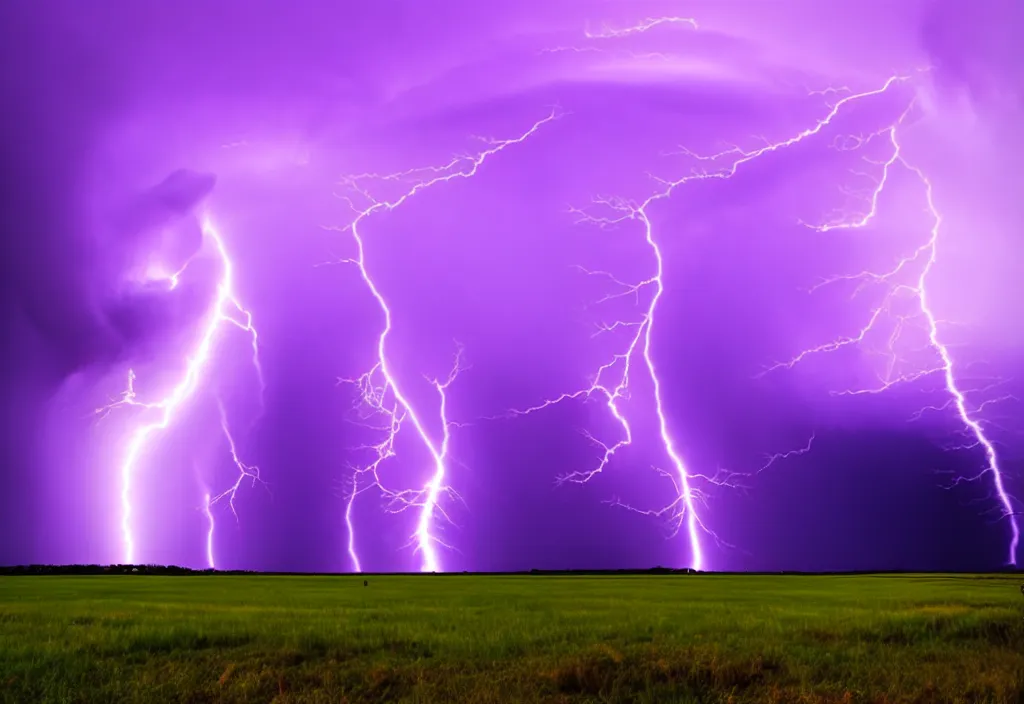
column 832, row 343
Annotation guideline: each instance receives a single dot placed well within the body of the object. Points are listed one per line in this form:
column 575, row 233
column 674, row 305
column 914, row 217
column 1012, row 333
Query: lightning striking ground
column 611, row 381
column 683, row 507
column 945, row 365
column 379, row 388
column 226, row 308
column 210, row 527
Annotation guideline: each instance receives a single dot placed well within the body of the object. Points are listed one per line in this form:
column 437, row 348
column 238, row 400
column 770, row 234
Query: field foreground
column 696, row 638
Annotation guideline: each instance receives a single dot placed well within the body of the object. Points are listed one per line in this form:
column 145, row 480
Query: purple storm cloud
column 461, row 286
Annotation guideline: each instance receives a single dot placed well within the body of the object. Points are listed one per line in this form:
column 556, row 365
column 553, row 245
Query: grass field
column 702, row 638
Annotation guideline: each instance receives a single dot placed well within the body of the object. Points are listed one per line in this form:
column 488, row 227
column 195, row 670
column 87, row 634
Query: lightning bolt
column 607, row 34
column 683, row 508
column 960, row 400
column 780, row 456
column 226, row 309
column 918, row 290
column 646, row 25
column 245, row 471
column 379, row 389
column 611, row 381
column 210, row 525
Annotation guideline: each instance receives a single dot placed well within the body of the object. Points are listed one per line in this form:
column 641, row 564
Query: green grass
column 522, row 639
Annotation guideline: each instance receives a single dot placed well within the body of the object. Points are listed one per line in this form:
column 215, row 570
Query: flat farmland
column 472, row 638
